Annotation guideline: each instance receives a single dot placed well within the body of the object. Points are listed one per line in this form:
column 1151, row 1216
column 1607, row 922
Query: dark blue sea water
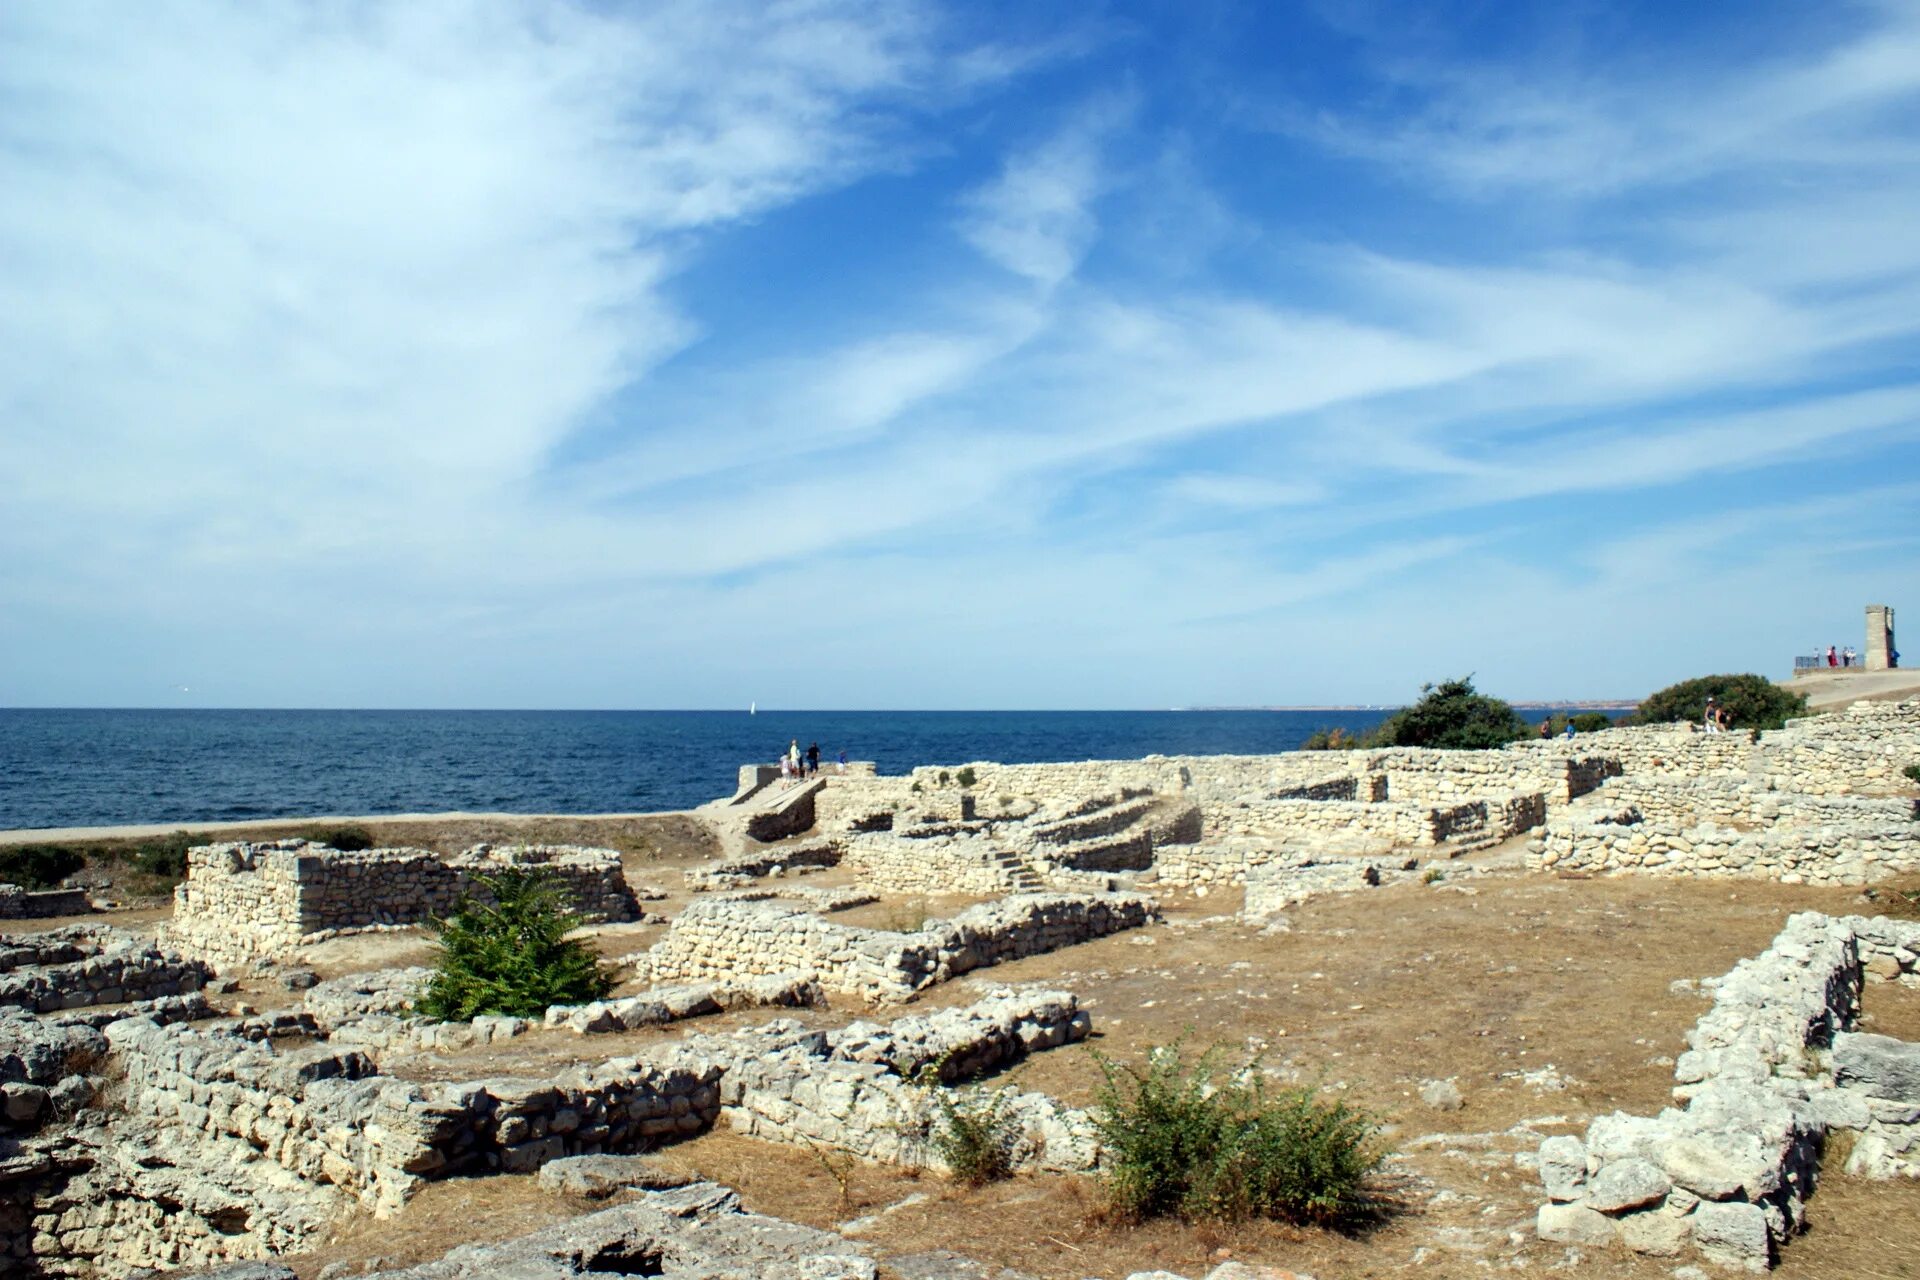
column 90, row 767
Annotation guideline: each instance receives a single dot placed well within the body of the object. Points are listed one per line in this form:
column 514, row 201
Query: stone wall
column 1596, row 841
column 1559, row 770
column 150, row 1196
column 1747, row 800
column 936, row 864
column 715, row 939
column 1487, row 817
column 17, row 903
column 873, row 1091
column 1730, row 1173
column 246, row 901
column 742, row 869
column 325, row 1113
column 77, row 969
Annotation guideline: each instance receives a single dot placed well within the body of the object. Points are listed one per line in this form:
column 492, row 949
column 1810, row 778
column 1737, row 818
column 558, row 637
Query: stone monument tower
column 1880, row 646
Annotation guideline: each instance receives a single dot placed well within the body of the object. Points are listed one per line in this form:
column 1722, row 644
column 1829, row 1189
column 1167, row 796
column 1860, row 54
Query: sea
column 67, row 768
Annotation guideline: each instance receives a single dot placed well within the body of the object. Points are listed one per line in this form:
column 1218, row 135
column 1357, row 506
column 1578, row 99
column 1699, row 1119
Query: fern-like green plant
column 505, row 950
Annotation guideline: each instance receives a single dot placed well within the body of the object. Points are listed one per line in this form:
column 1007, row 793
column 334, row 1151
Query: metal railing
column 1819, row 661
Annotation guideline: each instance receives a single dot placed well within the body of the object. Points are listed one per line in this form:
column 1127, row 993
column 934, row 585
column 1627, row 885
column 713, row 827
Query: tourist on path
column 1711, row 720
column 1569, row 727
column 843, row 759
column 813, row 759
column 1546, row 728
column 1831, row 660
column 793, row 758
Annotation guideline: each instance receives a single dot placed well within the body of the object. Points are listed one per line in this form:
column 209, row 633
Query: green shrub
column 975, row 1136
column 1912, row 771
column 38, row 866
column 1183, row 1143
column 345, row 839
column 966, row 777
column 1753, row 702
column 1582, row 721
column 1452, row 715
column 165, row 856
column 1330, row 739
column 511, row 955
column 944, row 778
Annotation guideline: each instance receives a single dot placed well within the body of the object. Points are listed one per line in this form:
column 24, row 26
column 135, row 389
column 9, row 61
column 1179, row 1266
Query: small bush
column 1184, row 1144
column 511, row 955
column 1912, row 771
column 345, row 839
column 1433, row 875
column 38, row 866
column 165, row 856
column 944, row 778
column 1331, row 739
column 975, row 1136
column 966, row 777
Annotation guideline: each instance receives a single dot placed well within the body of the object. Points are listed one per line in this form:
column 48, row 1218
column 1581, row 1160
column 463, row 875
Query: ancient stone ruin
column 149, row 1119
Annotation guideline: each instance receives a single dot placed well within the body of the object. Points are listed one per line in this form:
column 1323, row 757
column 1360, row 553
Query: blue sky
column 897, row 355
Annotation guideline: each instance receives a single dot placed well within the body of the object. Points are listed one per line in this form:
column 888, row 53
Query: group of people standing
column 1716, row 719
column 797, row 764
column 1841, row 657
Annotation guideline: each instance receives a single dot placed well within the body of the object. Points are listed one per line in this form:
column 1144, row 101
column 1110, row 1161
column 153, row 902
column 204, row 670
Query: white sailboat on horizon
column 751, row 708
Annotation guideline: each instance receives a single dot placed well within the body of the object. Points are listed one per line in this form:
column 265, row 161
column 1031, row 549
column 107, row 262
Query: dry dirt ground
column 1546, row 1000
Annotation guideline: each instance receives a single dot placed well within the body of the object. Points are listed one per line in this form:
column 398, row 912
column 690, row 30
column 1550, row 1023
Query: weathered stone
column 597, row 1177
column 1734, row 1234
column 1574, row 1223
column 1627, row 1184
column 1563, row 1168
column 1660, row 1231
column 1441, row 1095
column 1877, row 1065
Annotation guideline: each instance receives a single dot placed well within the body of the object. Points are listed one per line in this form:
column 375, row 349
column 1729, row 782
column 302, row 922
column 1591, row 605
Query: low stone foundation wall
column 937, row 864
column 1749, row 801
column 1390, row 825
column 242, row 901
column 99, row 971
column 17, row 903
column 732, row 873
column 1597, row 842
column 866, row 1089
column 1730, row 1173
column 729, row 940
column 152, row 1196
column 1275, row 886
column 326, row 1114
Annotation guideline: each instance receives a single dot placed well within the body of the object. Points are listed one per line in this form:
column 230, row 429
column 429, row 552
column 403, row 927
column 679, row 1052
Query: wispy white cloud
column 1036, row 218
column 391, row 313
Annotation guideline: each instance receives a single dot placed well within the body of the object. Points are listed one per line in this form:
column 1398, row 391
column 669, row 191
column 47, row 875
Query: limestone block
column 1879, row 1066
column 1563, row 1168
column 1734, row 1234
column 1627, row 1184
column 1575, row 1223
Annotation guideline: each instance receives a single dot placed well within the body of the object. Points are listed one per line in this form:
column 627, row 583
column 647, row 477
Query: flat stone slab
column 597, row 1177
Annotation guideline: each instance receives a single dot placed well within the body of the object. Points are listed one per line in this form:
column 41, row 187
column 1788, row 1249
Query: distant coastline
column 1590, row 704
